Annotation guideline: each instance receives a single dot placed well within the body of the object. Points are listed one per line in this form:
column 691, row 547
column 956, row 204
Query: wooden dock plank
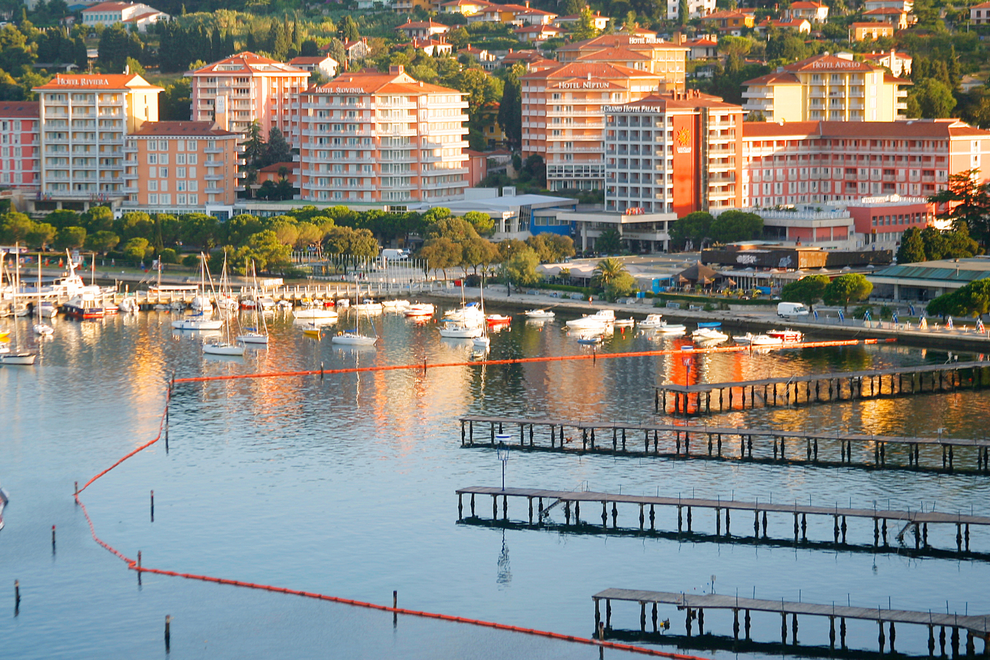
column 976, row 623
column 913, row 517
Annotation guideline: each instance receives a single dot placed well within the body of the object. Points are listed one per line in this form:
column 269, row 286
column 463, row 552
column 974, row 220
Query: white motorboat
column 201, row 303
column 314, row 312
column 419, row 310
column 482, row 343
column 395, row 305
column 343, row 303
column 708, row 336
column 228, row 304
column 368, row 307
column 540, row 314
column 600, row 319
column 129, row 306
column 16, row 358
column 457, row 330
column 468, row 314
column 652, row 321
column 670, row 329
column 47, row 310
column 352, row 338
column 177, row 305
column 625, row 323
column 43, row 329
column 590, row 340
column 749, row 339
column 788, row 335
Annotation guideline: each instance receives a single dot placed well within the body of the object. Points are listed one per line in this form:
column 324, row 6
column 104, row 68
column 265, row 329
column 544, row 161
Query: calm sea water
column 345, row 486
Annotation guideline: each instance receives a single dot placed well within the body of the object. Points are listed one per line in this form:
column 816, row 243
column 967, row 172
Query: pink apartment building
column 814, row 162
column 20, row 148
column 382, row 137
column 181, row 166
column 246, row 87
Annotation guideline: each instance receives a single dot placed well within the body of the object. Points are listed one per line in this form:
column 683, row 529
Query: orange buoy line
column 135, row 566
column 560, row 358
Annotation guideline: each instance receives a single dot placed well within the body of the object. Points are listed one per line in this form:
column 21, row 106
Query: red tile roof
column 109, row 6
column 684, row 101
column 912, row 129
column 825, row 62
column 120, row 81
column 614, row 54
column 18, row 109
column 275, row 167
column 246, row 63
column 776, row 78
column 802, row 4
column 181, row 128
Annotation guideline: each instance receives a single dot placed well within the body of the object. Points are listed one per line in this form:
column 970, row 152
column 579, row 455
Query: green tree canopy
column 912, row 249
column 520, row 268
column 440, row 253
column 971, row 299
column 808, row 290
column 694, row 229
column 851, row 287
column 732, row 226
column 609, row 241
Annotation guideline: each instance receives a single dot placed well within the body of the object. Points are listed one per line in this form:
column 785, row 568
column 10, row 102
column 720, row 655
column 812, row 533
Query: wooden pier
column 887, row 524
column 694, row 606
column 708, row 398
column 728, row 443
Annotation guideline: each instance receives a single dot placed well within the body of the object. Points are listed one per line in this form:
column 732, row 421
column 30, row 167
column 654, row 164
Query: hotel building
column 666, row 60
column 673, row 153
column 827, row 87
column 817, row 162
column 20, row 147
column 382, row 137
column 563, row 118
column 84, row 120
column 180, row 166
column 244, row 88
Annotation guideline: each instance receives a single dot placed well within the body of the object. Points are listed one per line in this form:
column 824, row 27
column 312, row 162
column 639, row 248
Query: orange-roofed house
column 563, row 117
column 422, row 29
column 827, row 87
column 181, row 167
column 325, row 64
column 537, row 34
column 512, row 14
column 799, row 25
column 244, row 88
column 20, row 137
column 899, row 63
column 729, row 21
column 665, row 59
column 129, row 13
column 899, row 18
column 465, row 7
column 275, row 171
column 701, row 49
column 382, row 137
column 980, row 14
column 84, row 120
column 813, row 12
column 870, row 31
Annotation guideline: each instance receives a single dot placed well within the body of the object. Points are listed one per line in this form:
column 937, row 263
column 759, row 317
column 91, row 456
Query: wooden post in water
column 168, row 633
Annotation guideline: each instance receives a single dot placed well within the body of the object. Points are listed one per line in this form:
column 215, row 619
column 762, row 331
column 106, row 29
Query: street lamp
column 502, row 451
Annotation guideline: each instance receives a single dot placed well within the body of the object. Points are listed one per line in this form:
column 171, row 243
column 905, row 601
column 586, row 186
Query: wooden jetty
column 706, row 398
column 724, row 443
column 886, row 523
column 694, row 606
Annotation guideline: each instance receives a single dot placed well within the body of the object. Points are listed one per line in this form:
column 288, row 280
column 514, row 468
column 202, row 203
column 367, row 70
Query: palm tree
column 607, row 271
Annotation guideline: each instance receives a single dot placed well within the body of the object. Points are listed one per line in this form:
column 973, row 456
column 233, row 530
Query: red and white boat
column 420, row 310
column 787, row 335
column 498, row 319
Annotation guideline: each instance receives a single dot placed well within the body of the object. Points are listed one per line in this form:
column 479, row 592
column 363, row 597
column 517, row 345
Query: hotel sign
column 83, row 82
column 586, row 84
column 683, row 139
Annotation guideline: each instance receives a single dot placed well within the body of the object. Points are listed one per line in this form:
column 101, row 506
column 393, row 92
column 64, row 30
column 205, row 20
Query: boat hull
column 348, row 339
column 223, row 349
column 18, row 358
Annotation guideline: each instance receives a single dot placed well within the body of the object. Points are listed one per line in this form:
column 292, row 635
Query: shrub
column 191, row 261
column 168, row 256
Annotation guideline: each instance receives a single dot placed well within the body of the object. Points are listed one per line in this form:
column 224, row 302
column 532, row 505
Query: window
column 191, row 146
column 163, row 159
column 153, row 185
column 192, row 186
column 164, row 200
column 164, row 184
column 152, row 158
column 180, row 159
column 152, row 199
column 180, row 172
column 192, row 172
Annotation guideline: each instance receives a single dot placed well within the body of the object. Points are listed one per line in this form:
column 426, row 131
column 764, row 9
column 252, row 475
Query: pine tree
column 953, row 70
column 277, row 150
column 228, row 45
column 683, row 12
column 216, row 46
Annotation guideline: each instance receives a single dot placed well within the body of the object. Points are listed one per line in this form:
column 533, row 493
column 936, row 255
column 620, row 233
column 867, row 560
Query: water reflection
column 504, row 574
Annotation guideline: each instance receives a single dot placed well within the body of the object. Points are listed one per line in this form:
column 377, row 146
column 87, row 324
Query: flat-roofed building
column 382, row 137
column 563, row 117
column 646, row 53
column 673, row 153
column 181, row 166
column 84, row 120
column 20, row 145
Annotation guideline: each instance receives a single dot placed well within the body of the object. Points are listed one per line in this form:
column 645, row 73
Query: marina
column 727, row 442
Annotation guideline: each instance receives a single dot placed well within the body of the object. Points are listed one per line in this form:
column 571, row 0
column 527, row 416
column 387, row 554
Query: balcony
column 213, row 190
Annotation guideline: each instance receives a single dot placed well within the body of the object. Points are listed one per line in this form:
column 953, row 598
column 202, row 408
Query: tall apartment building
column 673, row 153
column 563, row 118
column 20, row 145
column 382, row 137
column 666, row 60
column 244, row 88
column 84, row 120
column 798, row 162
column 829, row 88
column 180, row 166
